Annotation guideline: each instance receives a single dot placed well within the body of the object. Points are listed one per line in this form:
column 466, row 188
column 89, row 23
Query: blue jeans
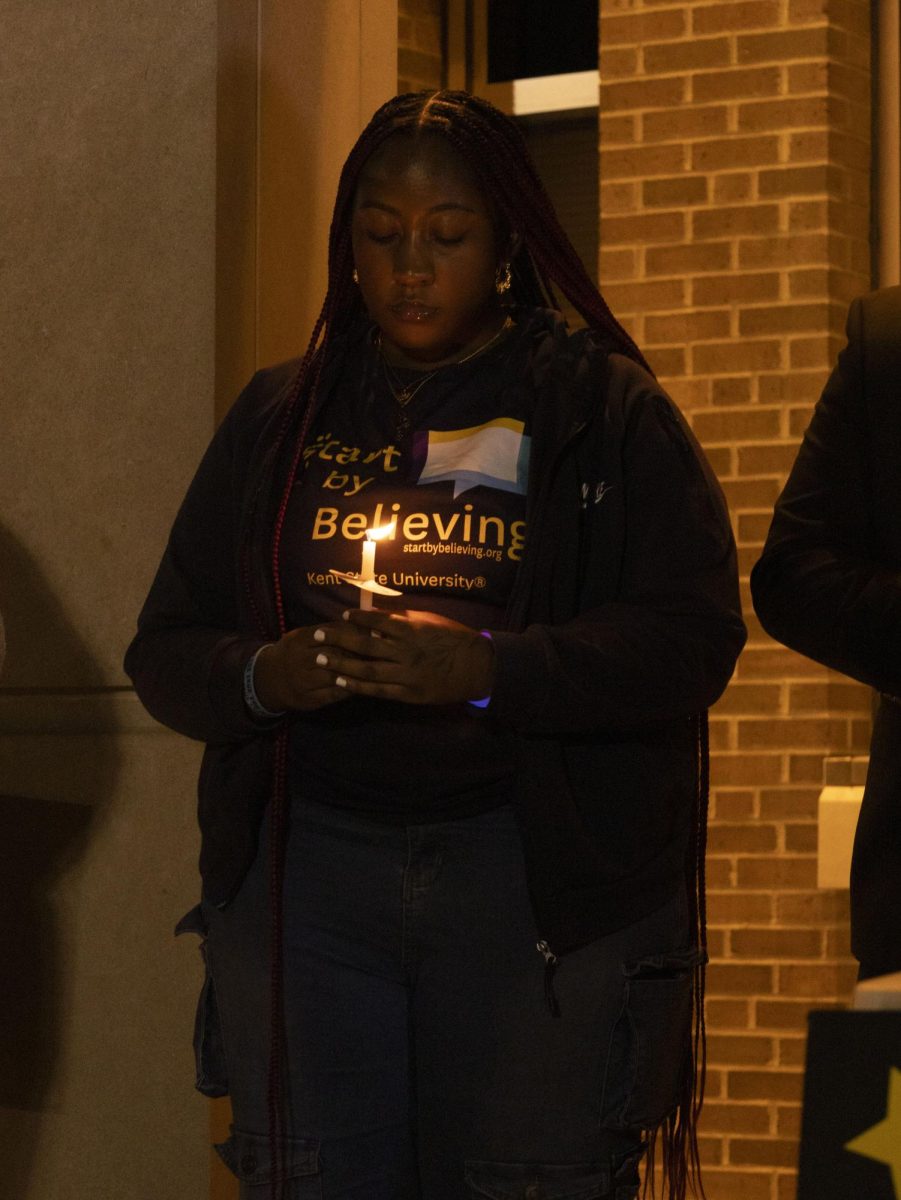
column 423, row 1062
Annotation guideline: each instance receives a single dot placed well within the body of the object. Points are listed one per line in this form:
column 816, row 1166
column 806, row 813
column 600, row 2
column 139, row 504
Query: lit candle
column 365, row 581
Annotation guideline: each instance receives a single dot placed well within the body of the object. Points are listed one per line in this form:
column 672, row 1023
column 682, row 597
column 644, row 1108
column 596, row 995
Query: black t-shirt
column 449, row 491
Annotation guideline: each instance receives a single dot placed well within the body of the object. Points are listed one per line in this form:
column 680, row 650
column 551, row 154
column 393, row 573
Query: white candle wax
column 367, row 572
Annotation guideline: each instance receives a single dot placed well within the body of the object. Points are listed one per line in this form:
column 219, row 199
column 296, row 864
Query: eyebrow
column 449, row 207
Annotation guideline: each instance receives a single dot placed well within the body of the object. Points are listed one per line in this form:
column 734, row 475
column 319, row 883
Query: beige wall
column 114, row 130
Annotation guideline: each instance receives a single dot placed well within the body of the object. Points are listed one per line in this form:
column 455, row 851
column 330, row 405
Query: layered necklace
column 403, row 393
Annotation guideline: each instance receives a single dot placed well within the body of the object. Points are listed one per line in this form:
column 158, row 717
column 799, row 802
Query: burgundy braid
column 496, row 151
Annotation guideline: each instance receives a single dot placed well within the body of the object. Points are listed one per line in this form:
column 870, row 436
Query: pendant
column 404, row 396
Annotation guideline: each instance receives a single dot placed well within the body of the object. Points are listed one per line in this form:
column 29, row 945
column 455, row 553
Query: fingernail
column 319, row 635
column 340, row 681
column 345, row 616
column 321, row 660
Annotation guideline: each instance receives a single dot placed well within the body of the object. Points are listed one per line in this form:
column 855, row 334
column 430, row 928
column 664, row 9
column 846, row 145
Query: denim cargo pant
column 422, row 1059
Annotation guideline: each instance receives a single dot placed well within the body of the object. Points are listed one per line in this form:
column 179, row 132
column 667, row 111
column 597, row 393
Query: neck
column 397, row 357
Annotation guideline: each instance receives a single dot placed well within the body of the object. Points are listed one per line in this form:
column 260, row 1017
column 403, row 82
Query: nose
column 412, row 262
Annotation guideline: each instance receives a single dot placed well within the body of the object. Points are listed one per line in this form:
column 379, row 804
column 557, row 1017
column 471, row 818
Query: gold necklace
column 404, row 393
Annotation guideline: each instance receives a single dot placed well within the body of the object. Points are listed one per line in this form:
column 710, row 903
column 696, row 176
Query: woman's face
column 425, row 251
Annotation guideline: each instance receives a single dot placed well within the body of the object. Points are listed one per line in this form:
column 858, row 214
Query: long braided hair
column 543, row 263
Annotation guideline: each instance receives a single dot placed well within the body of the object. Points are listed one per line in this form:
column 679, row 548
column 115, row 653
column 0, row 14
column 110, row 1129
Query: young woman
column 462, row 954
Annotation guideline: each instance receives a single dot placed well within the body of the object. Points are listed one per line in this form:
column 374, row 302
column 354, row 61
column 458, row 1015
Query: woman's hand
column 286, row 675
column 416, row 657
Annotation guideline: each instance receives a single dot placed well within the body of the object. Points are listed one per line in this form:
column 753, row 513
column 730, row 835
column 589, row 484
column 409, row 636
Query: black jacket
column 829, row 585
column 623, row 624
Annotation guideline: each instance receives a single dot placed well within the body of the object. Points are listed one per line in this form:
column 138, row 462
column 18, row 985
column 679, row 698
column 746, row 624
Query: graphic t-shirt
column 448, row 495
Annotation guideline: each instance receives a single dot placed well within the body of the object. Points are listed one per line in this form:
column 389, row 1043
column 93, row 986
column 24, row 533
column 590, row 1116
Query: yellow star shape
column 883, row 1140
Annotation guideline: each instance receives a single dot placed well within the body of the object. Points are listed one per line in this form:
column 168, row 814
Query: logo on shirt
column 495, row 455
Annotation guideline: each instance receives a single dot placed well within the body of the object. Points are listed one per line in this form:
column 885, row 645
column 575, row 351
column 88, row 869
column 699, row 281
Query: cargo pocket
column 650, row 1044
column 211, row 1075
column 531, row 1181
column 249, row 1157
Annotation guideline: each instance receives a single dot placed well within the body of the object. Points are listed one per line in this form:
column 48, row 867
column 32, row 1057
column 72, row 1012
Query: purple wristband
column 483, row 703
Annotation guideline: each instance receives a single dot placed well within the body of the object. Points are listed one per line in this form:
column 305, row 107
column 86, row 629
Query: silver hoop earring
column 503, row 280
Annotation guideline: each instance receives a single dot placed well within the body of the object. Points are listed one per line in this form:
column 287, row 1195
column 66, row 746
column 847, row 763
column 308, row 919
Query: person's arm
column 819, row 587
column 664, row 648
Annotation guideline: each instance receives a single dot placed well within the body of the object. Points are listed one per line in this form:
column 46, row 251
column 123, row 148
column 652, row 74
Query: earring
column 356, row 277
column 503, row 279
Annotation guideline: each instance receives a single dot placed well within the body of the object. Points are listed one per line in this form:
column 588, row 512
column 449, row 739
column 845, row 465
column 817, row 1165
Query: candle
column 365, row 581
column 367, row 570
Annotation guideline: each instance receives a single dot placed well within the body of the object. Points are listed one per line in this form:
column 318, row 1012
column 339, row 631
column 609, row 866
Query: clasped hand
column 415, row 657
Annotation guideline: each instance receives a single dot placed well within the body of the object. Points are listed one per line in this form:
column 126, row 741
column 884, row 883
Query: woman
column 460, row 955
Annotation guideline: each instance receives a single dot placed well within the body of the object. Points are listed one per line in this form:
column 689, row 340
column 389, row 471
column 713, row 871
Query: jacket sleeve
column 665, row 645
column 188, row 657
column 819, row 587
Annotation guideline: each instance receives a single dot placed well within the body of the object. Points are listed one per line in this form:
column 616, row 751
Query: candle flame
column 381, row 531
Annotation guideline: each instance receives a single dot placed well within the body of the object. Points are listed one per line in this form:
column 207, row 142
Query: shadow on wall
column 55, row 783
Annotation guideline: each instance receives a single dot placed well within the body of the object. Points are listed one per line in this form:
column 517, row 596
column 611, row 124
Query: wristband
column 251, row 699
column 486, row 700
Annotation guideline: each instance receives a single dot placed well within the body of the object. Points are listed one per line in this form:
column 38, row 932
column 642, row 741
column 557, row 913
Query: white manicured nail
column 319, row 635
column 345, row 616
column 321, row 660
column 340, row 681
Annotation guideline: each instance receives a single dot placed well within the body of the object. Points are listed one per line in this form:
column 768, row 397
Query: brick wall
column 734, row 218
column 419, row 49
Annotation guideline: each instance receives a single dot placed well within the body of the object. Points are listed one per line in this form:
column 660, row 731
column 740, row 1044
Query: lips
column 412, row 311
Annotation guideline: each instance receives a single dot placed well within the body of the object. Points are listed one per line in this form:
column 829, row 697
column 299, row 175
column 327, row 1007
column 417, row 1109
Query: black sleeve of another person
column 828, row 583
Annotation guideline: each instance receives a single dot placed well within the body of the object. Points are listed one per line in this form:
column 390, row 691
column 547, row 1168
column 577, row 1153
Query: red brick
column 687, row 56
column 743, row 1050
column 784, row 318
column 639, row 162
column 729, row 1184
column 676, row 260
column 777, row 943
column 791, row 803
column 731, row 222
column 736, row 908
column 764, row 1085
column 806, row 353
column 754, row 253
column 740, row 979
column 783, row 1014
column 735, row 186
column 801, row 839
column 678, row 190
column 667, row 362
column 736, row 1118
column 785, row 114
column 662, row 295
column 772, row 459
column 797, row 181
column 727, row 1014
column 778, row 47
column 793, row 873
column 729, row 289
column 778, row 662
column 792, row 1051
column 753, row 528
column 642, row 227
column 763, row 1152
column 618, row 130
column 669, row 125
column 750, row 697
column 740, row 355
column 641, row 27
column 727, row 18
column 838, row 942
column 617, row 264
column 642, row 93
column 736, row 84
column 741, row 838
column 788, row 1120
column 720, row 458
column 829, row 697
column 821, row 980
column 751, row 493
column 805, row 768
column 616, row 63
column 722, row 153
column 687, row 327
column 800, row 386
column 619, row 198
